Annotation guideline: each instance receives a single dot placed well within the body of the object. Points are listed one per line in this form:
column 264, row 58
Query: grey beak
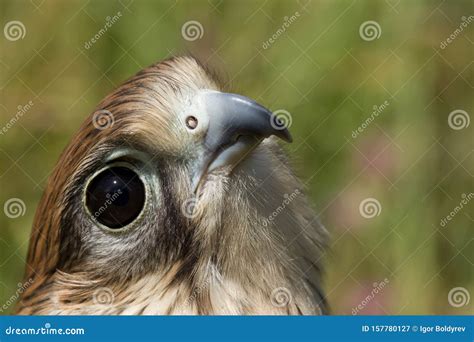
column 237, row 125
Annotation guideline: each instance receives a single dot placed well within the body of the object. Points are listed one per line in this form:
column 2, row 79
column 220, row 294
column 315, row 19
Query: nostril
column 191, row 122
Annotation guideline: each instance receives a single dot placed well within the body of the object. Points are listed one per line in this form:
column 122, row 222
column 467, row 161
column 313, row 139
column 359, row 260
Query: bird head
column 170, row 185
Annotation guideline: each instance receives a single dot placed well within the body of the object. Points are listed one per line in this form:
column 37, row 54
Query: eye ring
column 191, row 122
column 115, row 197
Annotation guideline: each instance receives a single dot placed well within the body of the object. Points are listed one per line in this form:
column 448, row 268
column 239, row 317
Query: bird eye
column 115, row 197
column 191, row 122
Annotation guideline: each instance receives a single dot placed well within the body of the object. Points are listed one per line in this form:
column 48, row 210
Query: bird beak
column 236, row 126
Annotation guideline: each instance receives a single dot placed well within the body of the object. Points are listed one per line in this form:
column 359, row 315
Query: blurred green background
column 313, row 59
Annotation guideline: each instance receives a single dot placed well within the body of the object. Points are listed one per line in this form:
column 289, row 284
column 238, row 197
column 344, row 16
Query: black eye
column 115, row 197
column 191, row 122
